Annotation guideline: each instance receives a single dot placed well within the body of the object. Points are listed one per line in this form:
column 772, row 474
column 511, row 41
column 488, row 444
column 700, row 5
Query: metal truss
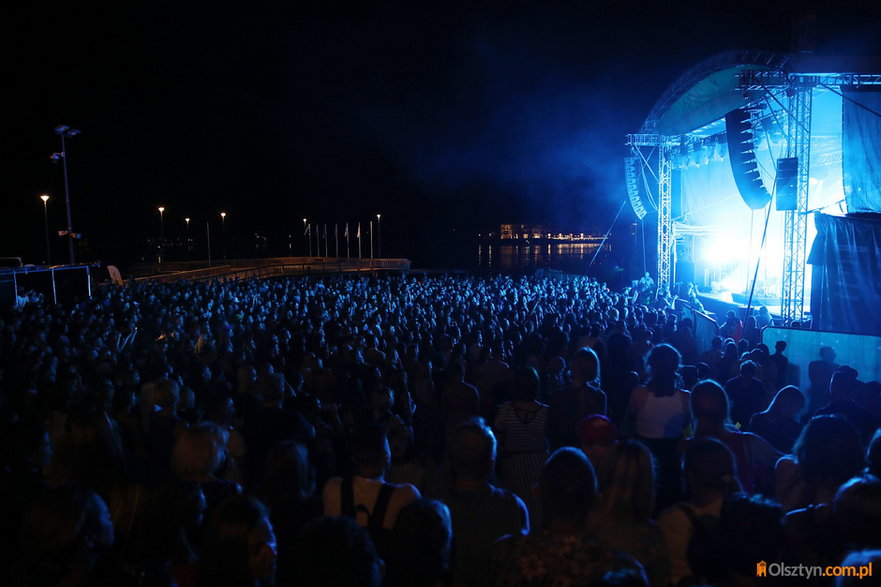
column 650, row 140
column 666, row 238
column 795, row 223
column 764, row 80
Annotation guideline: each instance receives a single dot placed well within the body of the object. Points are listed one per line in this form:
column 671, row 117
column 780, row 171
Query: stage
column 717, row 304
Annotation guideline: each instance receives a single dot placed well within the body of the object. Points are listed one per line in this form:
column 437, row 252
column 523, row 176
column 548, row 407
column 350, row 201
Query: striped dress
column 523, row 450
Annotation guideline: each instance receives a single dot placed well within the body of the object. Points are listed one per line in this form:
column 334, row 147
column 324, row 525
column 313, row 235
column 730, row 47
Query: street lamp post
column 187, row 220
column 223, row 232
column 161, row 231
column 307, row 235
column 379, row 235
column 65, row 131
column 45, row 198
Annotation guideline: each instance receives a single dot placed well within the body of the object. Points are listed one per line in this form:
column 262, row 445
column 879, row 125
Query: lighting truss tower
column 645, row 145
column 666, row 238
column 795, row 223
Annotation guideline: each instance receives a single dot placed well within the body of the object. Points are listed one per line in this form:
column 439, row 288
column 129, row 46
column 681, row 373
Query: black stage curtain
column 846, row 282
column 861, row 149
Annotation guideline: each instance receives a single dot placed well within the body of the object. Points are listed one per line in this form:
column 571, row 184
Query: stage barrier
column 860, row 351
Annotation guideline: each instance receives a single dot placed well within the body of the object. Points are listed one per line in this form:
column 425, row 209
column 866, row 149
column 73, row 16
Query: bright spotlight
column 721, row 250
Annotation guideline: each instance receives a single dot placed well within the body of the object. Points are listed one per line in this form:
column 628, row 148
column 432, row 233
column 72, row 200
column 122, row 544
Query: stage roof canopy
column 707, row 91
column 710, row 89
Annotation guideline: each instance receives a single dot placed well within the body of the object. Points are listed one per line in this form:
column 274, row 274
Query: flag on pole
column 359, row 231
column 308, row 229
column 346, row 234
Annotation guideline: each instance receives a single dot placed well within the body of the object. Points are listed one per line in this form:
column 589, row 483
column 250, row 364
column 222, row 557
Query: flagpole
column 326, row 252
column 309, row 237
column 359, row 239
column 371, row 239
column 336, row 239
column 347, row 240
column 318, row 241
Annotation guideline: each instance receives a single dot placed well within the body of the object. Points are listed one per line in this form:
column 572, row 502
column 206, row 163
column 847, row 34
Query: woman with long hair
column 622, row 517
column 777, row 424
column 659, row 415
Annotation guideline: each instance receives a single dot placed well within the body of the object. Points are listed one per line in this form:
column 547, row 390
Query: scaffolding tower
column 648, row 147
column 795, row 222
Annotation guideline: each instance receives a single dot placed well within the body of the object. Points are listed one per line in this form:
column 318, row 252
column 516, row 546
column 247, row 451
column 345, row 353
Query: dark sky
column 441, row 116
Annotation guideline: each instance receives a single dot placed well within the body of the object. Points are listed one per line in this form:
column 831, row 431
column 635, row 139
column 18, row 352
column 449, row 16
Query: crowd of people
column 419, row 430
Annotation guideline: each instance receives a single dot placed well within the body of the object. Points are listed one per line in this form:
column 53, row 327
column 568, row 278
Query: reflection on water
column 572, row 257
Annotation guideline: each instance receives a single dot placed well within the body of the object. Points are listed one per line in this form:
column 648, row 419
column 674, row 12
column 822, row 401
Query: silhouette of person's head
column 472, row 450
column 238, row 544
column 567, row 488
column 709, row 404
column 584, row 366
column 858, row 512
column 663, row 363
column 371, row 454
column 828, row 450
column 64, row 532
column 422, row 543
column 336, row 551
column 709, row 470
column 827, row 353
column 750, row 530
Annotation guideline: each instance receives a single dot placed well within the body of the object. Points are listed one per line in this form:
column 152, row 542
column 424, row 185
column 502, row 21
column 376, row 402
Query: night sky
column 447, row 118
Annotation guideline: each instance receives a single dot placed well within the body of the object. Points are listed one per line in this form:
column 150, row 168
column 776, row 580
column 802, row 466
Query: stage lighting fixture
column 706, row 154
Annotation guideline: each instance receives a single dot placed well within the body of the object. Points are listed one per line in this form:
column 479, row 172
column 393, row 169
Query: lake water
column 568, row 257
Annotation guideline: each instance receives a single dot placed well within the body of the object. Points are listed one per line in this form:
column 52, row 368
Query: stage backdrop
column 846, row 278
column 861, row 149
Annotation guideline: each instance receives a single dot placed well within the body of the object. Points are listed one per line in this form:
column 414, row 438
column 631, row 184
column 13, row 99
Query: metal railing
column 264, row 268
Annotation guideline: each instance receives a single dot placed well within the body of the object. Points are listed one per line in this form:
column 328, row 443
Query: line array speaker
column 785, row 189
column 741, row 153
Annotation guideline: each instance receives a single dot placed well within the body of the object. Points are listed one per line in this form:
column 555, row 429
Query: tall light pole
column 65, row 131
column 379, row 235
column 307, row 235
column 223, row 231
column 187, row 220
column 161, row 221
column 45, row 198
column 161, row 231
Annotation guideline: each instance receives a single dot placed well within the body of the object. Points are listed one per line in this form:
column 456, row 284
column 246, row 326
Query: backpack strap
column 377, row 516
column 347, row 497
